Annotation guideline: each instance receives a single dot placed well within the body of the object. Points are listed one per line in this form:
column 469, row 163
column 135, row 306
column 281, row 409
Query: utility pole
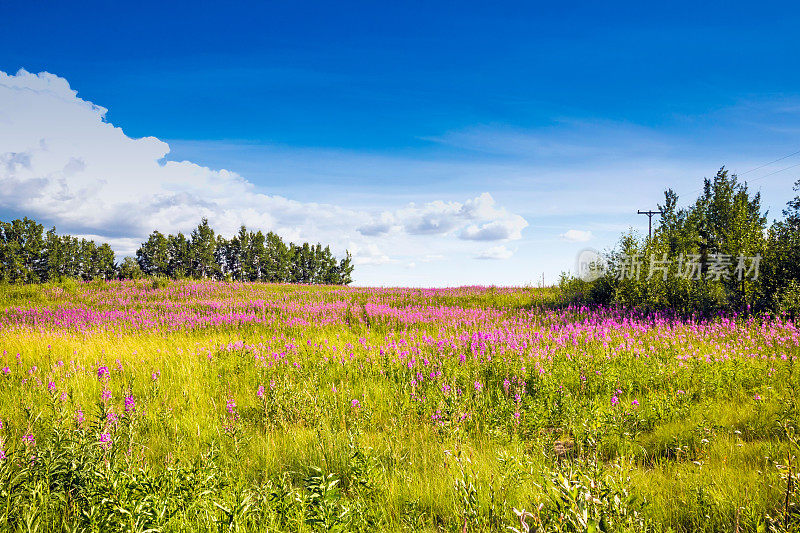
column 649, row 220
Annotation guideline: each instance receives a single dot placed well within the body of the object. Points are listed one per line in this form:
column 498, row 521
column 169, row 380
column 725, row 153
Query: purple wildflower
column 130, row 404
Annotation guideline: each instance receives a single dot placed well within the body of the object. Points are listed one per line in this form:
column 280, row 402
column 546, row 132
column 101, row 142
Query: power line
column 768, row 164
column 771, row 173
column 762, row 166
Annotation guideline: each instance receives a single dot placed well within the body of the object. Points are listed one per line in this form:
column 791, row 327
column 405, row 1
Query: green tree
column 275, row 264
column 180, row 264
column 105, row 266
column 23, row 244
column 153, row 255
column 129, row 269
column 202, row 251
column 780, row 283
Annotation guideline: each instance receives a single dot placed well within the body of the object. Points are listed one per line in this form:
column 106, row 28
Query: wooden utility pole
column 649, row 220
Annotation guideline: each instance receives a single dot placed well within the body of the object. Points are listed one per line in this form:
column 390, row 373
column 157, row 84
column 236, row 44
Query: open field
column 175, row 406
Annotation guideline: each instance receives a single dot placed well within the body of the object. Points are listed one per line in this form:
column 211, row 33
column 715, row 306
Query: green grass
column 663, row 433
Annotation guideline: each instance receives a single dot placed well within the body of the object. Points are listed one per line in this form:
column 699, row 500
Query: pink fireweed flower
column 102, row 372
column 130, row 404
column 51, row 386
column 2, row 454
column 112, row 417
column 757, row 397
column 105, row 395
column 260, row 391
column 79, row 418
column 64, row 396
column 635, row 403
column 155, row 375
column 231, row 406
column 6, row 370
column 478, row 386
column 105, row 440
column 355, row 403
column 614, row 400
column 28, row 439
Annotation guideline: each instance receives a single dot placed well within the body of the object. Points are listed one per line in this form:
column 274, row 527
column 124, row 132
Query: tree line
column 247, row 256
column 28, row 254
column 718, row 253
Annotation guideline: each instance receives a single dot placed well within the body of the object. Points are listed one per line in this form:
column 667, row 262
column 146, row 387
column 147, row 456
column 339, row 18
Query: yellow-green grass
column 685, row 426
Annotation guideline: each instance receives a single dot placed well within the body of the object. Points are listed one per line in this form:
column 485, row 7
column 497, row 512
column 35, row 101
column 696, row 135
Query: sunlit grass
column 412, row 409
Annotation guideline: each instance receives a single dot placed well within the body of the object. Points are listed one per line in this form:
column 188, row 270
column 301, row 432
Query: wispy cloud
column 495, row 252
column 576, row 235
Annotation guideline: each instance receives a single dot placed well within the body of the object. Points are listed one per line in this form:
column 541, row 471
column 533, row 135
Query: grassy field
column 211, row 406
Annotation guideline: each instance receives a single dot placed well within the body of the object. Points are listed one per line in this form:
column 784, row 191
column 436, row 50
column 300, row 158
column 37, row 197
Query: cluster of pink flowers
column 130, row 404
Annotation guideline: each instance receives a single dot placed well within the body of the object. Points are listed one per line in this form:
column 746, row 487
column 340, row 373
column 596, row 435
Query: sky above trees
column 441, row 144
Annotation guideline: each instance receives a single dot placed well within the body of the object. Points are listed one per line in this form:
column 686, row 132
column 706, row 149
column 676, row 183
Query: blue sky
column 570, row 117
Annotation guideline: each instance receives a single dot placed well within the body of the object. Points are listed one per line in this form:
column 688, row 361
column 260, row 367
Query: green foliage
column 247, row 256
column 584, row 496
column 29, row 256
column 714, row 255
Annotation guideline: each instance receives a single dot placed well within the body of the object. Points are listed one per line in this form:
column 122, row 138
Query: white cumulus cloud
column 63, row 163
column 477, row 219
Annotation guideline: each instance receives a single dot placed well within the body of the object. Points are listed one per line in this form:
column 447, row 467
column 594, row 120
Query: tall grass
column 135, row 406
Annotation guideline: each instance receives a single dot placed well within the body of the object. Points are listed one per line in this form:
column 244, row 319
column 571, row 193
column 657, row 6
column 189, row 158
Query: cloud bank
column 62, row 162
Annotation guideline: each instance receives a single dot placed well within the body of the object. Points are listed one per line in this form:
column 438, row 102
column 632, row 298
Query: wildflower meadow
column 157, row 405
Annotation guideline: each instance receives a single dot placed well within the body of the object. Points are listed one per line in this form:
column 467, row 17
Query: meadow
column 156, row 405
